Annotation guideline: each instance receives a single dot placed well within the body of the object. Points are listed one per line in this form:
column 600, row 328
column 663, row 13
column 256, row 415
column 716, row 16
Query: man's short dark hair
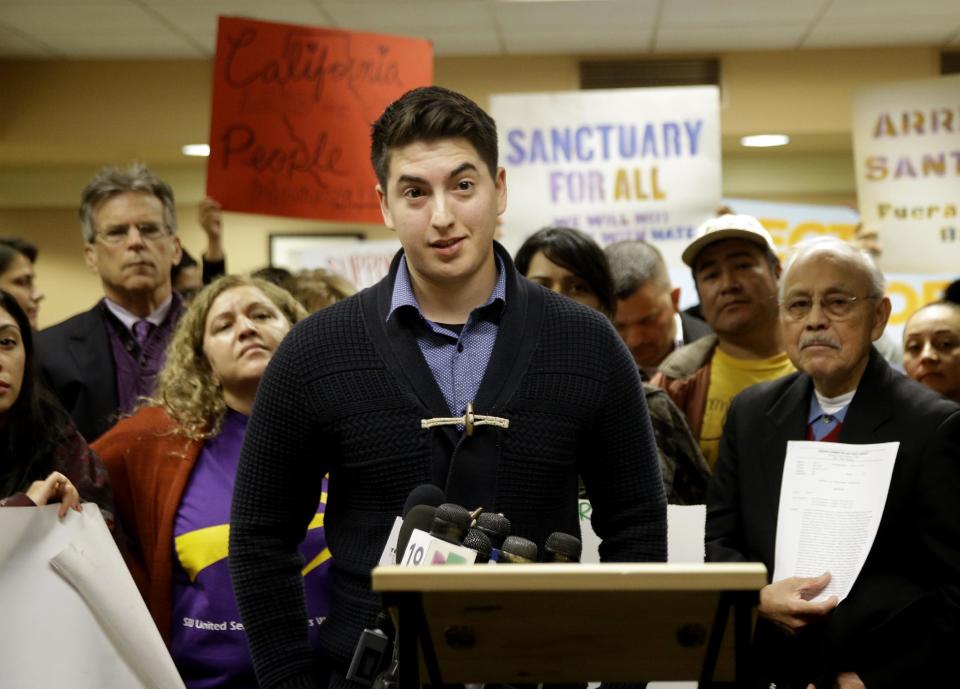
column 428, row 114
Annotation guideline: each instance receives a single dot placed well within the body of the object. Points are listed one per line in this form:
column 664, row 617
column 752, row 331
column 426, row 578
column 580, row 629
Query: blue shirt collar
column 403, row 290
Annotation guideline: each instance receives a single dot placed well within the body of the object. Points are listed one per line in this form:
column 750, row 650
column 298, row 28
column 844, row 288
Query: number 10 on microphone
column 424, row 549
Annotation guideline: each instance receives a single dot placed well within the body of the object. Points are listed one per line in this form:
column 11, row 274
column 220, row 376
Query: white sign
column 617, row 164
column 71, row 612
column 363, row 263
column 906, row 139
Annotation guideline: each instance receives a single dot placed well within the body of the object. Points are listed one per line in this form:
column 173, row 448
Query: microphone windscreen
column 451, row 523
column 562, row 547
column 419, row 517
column 478, row 541
column 427, row 494
column 518, row 550
column 495, row 526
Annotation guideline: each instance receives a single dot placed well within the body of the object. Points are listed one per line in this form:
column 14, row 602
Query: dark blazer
column 76, row 361
column 899, row 625
column 693, row 328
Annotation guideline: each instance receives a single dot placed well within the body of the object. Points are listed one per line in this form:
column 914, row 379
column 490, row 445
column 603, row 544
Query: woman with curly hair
column 173, row 465
column 43, row 459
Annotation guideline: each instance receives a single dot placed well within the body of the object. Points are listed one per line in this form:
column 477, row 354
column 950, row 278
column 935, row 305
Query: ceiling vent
column 950, row 62
column 614, row 74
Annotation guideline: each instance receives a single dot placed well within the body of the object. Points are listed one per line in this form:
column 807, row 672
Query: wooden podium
column 526, row 624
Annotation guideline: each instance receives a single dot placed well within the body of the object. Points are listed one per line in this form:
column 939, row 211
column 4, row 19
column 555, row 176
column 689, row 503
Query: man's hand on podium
column 788, row 603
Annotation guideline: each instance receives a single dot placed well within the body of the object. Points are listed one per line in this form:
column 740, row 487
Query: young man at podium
column 453, row 371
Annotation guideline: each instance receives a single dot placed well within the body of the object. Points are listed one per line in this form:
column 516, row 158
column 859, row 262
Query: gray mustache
column 819, row 340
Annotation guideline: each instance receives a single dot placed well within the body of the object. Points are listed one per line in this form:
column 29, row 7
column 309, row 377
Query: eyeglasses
column 836, row 306
column 118, row 234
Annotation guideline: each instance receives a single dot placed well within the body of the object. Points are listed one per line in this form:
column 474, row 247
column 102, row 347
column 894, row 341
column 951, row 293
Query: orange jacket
column 149, row 464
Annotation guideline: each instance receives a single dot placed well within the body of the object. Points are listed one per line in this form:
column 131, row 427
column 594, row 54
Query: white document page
column 831, row 502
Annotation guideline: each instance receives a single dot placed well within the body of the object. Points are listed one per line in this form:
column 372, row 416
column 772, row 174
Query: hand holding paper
column 789, row 602
column 55, row 487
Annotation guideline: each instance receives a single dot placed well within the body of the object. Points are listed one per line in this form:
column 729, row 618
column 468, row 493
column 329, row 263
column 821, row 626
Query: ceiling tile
column 903, row 32
column 416, row 17
column 583, row 42
column 16, row 45
column 683, row 13
column 196, row 17
column 845, row 10
column 715, row 39
column 75, row 18
column 576, row 15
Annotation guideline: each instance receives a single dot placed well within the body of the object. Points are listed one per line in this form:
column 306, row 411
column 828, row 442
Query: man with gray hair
column 648, row 317
column 900, row 624
column 101, row 361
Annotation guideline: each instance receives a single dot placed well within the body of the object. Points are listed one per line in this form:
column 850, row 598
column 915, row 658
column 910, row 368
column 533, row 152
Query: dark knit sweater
column 346, row 392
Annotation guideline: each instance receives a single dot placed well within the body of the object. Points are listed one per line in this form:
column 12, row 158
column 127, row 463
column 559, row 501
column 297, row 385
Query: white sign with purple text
column 617, row 164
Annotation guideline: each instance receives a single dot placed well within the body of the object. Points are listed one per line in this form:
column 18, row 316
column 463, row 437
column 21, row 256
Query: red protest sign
column 292, row 109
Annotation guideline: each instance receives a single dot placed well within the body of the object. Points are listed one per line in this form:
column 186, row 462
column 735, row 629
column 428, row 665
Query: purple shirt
column 458, row 361
column 137, row 367
column 208, row 643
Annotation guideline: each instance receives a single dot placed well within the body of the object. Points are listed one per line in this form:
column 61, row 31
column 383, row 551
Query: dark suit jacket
column 693, row 328
column 899, row 625
column 76, row 361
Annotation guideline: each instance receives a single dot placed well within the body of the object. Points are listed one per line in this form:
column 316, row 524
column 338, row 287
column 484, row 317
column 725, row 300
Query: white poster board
column 363, row 263
column 617, row 164
column 72, row 615
column 906, row 139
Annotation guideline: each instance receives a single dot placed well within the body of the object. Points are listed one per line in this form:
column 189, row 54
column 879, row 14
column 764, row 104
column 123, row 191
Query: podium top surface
column 741, row 576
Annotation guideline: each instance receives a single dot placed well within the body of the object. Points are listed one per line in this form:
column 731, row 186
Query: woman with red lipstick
column 43, row 459
column 173, row 465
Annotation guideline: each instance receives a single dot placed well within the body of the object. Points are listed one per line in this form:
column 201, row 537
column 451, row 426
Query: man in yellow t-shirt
column 736, row 271
column 728, row 377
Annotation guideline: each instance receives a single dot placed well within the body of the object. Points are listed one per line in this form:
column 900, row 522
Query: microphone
column 562, row 547
column 427, row 494
column 418, row 513
column 496, row 527
column 439, row 542
column 450, row 523
column 478, row 541
column 517, row 550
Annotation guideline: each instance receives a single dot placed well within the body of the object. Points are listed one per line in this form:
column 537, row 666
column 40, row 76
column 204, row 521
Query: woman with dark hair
column 569, row 262
column 17, row 257
column 43, row 459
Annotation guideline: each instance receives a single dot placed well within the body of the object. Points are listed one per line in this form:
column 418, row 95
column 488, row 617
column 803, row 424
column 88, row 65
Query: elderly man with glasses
column 898, row 626
column 101, row 361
